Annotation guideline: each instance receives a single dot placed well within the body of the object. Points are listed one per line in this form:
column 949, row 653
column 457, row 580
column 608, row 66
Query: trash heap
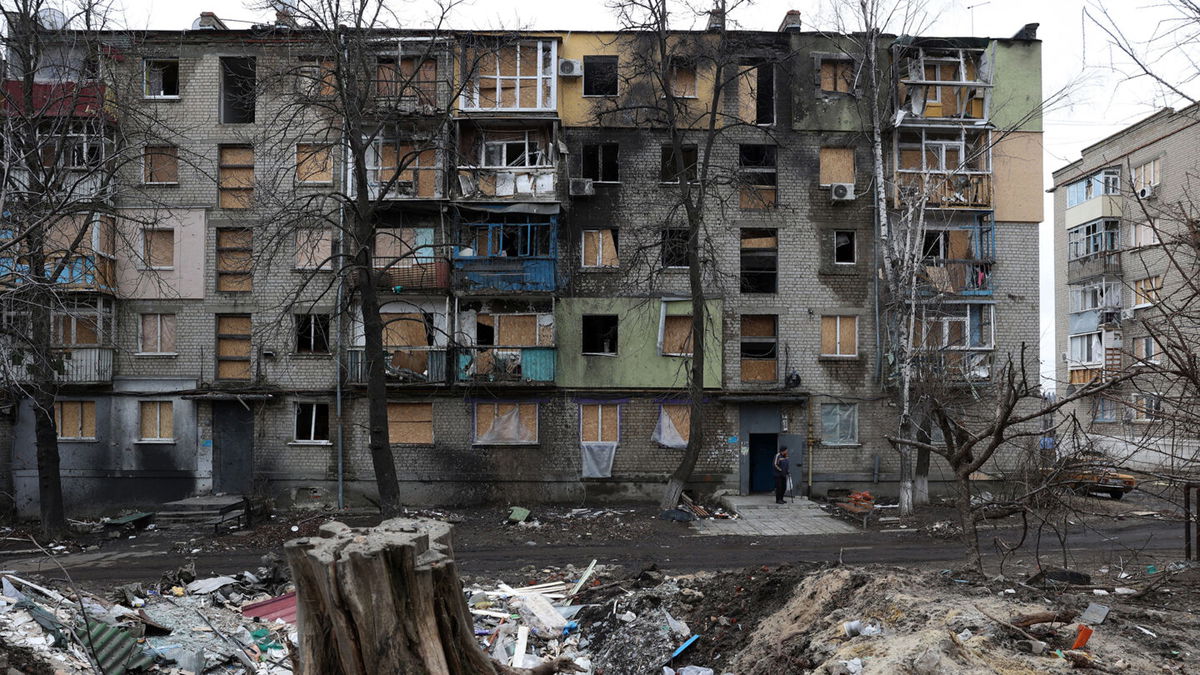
column 182, row 624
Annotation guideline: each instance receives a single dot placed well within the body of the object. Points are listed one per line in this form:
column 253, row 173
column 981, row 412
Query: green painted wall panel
column 1018, row 86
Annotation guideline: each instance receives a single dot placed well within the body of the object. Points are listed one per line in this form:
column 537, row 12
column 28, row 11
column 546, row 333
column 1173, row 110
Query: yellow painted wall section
column 1017, row 177
column 577, row 110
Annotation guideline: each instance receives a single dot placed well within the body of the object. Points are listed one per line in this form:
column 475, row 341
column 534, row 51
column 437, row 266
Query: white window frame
column 596, row 264
column 547, row 72
column 837, row 341
column 1136, row 296
column 853, row 244
column 142, row 351
column 1139, row 174
column 840, row 406
column 157, row 420
column 1093, row 341
column 1103, row 182
column 1093, row 238
column 1145, row 407
column 146, row 79
column 542, row 152
column 1103, row 296
column 312, row 423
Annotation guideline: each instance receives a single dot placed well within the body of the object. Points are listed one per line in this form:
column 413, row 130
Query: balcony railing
column 958, row 277
column 423, row 276
column 538, row 183
column 1100, row 264
column 506, row 364
column 504, row 274
column 955, row 365
column 404, row 365
column 945, row 191
column 74, row 365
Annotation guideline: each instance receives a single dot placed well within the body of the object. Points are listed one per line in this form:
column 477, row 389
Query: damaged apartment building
column 532, row 273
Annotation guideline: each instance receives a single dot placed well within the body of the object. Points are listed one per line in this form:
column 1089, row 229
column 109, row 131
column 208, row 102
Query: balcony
column 957, row 277
column 524, row 184
column 57, row 99
column 1101, row 264
column 423, row 276
column 517, row 254
column 944, row 191
column 407, row 365
column 534, row 274
column 955, row 365
column 76, row 365
column 81, row 273
column 520, row 77
column 531, row 365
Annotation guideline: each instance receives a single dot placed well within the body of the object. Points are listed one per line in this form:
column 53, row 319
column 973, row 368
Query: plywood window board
column 410, row 423
column 680, row 415
column 599, row 422
column 837, row 165
column 677, row 335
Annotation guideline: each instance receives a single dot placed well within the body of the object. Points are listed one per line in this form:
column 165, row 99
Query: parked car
column 1093, row 472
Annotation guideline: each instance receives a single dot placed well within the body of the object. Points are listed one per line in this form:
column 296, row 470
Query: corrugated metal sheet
column 537, row 364
column 282, row 607
column 115, row 650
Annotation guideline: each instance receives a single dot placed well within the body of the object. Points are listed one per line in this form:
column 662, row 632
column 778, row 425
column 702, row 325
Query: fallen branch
column 1004, row 623
column 1027, row 620
column 562, row 664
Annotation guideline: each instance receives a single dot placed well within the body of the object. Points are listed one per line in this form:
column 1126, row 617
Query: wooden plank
column 518, row 330
column 610, row 420
column 837, row 165
column 759, row 370
column 758, row 325
column 680, row 416
column 677, row 335
column 848, row 328
column 829, row 333
column 589, row 414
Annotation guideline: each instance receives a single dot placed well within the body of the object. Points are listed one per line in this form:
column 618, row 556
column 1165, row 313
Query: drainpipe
column 339, row 354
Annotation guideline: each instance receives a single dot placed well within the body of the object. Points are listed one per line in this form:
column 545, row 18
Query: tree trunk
column 377, row 423
column 966, row 518
column 921, row 483
column 385, row 599
column 43, row 386
column 906, row 480
column 50, row 495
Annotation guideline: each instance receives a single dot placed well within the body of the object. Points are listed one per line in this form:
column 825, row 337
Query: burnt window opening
column 760, row 261
column 312, row 422
column 600, row 162
column 162, row 78
column 760, row 100
column 844, row 252
column 934, row 245
column 669, row 172
column 238, row 84
column 759, row 348
column 757, row 174
column 600, row 334
column 512, row 237
column 312, row 333
column 675, row 247
column 599, row 76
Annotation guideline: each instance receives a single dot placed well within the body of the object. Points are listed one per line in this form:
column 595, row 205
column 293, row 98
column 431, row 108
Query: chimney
column 1028, row 32
column 791, row 22
column 209, row 21
column 284, row 17
column 716, row 19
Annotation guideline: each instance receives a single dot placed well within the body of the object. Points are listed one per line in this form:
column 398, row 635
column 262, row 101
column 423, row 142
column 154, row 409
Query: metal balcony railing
column 404, row 365
column 506, row 364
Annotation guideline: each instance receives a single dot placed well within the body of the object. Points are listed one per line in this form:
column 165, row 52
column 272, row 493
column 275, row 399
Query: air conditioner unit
column 1146, row 192
column 582, row 187
column 842, row 192
column 1127, row 314
column 570, row 67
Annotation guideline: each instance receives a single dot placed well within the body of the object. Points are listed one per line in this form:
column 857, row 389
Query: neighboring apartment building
column 531, row 274
column 1118, row 211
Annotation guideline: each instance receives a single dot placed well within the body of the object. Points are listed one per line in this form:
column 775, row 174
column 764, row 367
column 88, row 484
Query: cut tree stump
column 385, row 599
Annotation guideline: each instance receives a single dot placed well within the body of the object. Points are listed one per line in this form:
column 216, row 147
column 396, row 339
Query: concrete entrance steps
column 760, row 516
column 202, row 510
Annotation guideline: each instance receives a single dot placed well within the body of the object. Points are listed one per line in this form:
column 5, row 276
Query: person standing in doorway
column 781, row 465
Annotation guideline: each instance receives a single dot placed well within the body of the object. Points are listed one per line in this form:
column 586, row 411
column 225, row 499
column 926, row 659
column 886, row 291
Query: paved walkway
column 759, row 516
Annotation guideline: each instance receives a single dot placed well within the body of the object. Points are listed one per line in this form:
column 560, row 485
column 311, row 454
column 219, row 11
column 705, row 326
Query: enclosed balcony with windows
column 79, row 254
column 958, row 261
column 404, row 168
column 81, row 343
column 955, row 341
column 508, row 163
column 945, row 81
column 944, row 168
column 510, row 76
column 507, row 252
column 504, row 342
column 1094, row 250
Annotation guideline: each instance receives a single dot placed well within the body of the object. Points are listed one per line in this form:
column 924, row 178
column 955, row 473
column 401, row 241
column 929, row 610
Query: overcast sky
column 1076, row 56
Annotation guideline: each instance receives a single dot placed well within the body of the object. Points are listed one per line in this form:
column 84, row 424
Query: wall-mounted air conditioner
column 842, row 192
column 1127, row 314
column 582, row 187
column 1146, row 192
column 570, row 67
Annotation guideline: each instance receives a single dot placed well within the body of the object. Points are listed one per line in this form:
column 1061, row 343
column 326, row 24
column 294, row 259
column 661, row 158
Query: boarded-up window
column 233, row 347
column 759, row 261
column 235, row 261
column 599, row 422
column 410, row 76
column 406, row 168
column 75, row 420
column 314, row 249
column 756, row 172
column 405, row 330
column 600, row 248
column 506, row 423
column 317, row 77
column 837, row 165
column 157, row 334
column 839, row 336
column 235, row 176
column 683, row 80
column 759, row 348
column 158, row 248
column 156, row 421
column 314, row 163
column 674, row 425
column 837, row 75
column 410, row 423
column 677, row 335
column 160, row 164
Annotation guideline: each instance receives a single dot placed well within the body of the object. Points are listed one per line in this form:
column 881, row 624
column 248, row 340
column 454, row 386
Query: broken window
column 160, row 164
column 162, row 78
column 955, row 326
column 407, row 337
column 844, row 252
column 233, row 347
column 759, row 261
column 235, row 259
column 1146, row 407
column 506, row 423
column 1099, row 236
column 839, row 336
column 503, row 149
column 756, row 93
column 1147, row 291
column 158, row 248
column 837, row 166
column 837, row 75
column 314, row 248
column 314, row 163
column 599, row 422
column 682, row 79
column 1104, row 409
column 410, row 76
column 316, row 77
column 674, row 426
column 1146, row 349
column 1148, row 174
column 312, row 333
column 677, row 335
column 669, row 173
column 759, row 348
column 157, row 334
column 513, row 77
column 757, row 173
column 1097, row 295
column 312, row 423
column 600, row 75
column 238, row 86
column 600, row 162
column 75, row 420
column 235, row 176
column 156, row 421
column 410, row 423
column 675, row 247
column 1143, row 234
column 510, row 239
column 839, row 423
column 407, row 168
column 599, row 334
column 600, row 248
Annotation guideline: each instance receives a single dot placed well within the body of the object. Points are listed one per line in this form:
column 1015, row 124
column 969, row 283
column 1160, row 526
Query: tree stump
column 385, row 599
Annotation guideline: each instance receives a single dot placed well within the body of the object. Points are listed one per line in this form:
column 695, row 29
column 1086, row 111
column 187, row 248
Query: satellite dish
column 196, row 24
column 52, row 19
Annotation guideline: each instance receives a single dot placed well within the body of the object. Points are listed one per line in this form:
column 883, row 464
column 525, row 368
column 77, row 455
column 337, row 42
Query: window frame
column 1097, row 184
column 158, row 406
column 666, row 246
column 314, row 147
column 600, row 421
column 1095, row 296
column 1146, row 407
column 856, row 440
column 750, row 253
column 298, row 408
column 1094, row 340
column 146, row 68
column 616, row 74
column 146, row 152
column 598, row 263
column 227, row 72
column 83, row 405
column 615, row 330
column 540, row 143
column 853, row 244
column 836, row 60
column 314, row 319
column 1146, row 351
column 537, row 422
column 601, row 154
column 158, row 319
column 235, row 192
column 392, row 440
column 839, row 354
column 233, row 273
column 667, row 175
column 1097, row 237
column 1146, row 294
column 145, row 242
column 745, row 341
column 1104, row 410
column 247, row 337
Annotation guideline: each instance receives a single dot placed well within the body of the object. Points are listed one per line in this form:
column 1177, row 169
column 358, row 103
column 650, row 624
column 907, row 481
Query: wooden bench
column 856, row 511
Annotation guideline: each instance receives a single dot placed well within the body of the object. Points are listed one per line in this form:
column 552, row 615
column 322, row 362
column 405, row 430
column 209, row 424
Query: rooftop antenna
column 972, row 10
